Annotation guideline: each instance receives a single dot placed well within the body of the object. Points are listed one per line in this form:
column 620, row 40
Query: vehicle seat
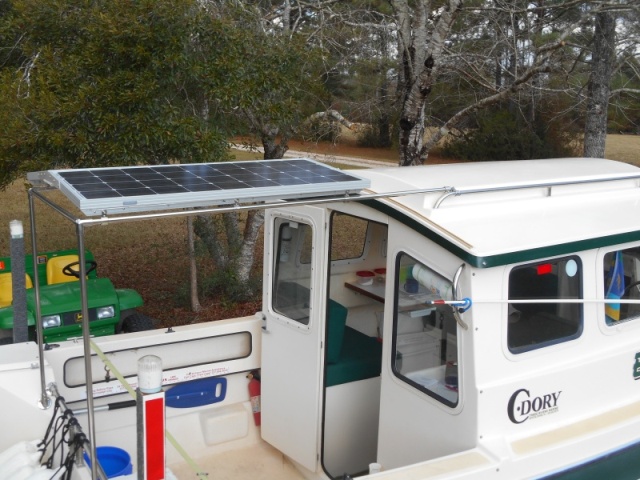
column 55, row 266
column 6, row 288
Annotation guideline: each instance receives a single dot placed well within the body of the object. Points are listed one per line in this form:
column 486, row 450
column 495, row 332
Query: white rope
column 561, row 300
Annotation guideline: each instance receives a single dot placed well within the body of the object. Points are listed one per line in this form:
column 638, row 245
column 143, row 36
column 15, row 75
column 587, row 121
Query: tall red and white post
column 150, row 419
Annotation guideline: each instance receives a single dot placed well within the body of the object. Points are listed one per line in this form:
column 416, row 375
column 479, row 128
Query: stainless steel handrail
column 454, row 192
column 133, row 216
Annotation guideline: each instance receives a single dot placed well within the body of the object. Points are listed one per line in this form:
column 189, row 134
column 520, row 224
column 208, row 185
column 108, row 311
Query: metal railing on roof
column 455, row 192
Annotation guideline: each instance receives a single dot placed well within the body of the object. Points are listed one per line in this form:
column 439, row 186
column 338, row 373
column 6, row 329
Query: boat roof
column 503, row 212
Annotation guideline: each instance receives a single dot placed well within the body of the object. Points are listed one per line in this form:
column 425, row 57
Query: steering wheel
column 89, row 264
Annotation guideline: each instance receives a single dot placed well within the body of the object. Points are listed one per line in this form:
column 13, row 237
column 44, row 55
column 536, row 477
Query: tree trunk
column 195, row 301
column 207, row 230
column 255, row 220
column 412, row 130
column 421, row 51
column 274, row 149
column 233, row 252
column 599, row 88
column 382, row 101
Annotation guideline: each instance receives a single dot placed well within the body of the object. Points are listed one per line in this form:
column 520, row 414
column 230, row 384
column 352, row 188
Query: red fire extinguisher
column 254, row 395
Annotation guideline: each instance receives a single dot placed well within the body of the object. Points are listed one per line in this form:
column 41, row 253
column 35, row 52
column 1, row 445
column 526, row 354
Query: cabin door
column 294, row 309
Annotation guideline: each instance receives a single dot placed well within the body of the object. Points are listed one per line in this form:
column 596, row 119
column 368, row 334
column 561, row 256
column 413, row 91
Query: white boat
column 496, row 334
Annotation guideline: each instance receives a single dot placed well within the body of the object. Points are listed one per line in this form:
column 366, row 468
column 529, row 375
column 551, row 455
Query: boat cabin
column 367, row 369
column 450, row 320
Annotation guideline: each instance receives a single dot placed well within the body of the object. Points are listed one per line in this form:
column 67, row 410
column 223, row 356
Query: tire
column 137, row 322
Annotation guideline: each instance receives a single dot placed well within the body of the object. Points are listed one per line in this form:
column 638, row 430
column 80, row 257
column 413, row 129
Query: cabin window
column 621, row 281
column 535, row 318
column 425, row 342
column 292, row 278
column 348, row 236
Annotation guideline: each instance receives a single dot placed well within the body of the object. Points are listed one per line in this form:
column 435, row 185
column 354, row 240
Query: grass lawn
column 625, row 148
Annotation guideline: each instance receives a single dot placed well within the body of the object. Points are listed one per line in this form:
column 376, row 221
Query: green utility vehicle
column 111, row 310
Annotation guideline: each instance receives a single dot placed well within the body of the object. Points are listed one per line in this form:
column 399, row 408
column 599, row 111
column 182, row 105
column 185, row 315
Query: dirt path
column 344, row 153
column 330, row 158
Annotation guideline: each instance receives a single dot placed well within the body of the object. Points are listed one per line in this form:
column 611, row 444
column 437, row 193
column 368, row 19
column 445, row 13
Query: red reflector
column 544, row 268
column 154, row 439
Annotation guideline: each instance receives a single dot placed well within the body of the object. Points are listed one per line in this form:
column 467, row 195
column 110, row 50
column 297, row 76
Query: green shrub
column 228, row 289
column 320, row 129
column 501, row 135
column 375, row 136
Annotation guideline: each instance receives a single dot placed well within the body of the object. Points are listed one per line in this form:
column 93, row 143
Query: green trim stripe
column 623, row 464
column 502, row 258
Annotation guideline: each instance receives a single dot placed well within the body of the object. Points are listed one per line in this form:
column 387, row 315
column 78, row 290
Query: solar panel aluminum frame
column 103, row 206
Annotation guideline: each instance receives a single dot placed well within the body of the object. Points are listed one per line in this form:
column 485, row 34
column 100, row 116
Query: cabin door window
column 425, row 342
column 537, row 315
column 292, row 279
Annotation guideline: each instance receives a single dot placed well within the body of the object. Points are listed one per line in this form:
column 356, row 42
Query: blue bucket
column 113, row 460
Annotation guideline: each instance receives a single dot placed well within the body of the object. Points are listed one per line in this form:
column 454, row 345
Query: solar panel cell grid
column 224, row 182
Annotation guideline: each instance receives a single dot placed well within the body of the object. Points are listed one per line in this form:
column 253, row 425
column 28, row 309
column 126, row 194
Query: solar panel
column 98, row 191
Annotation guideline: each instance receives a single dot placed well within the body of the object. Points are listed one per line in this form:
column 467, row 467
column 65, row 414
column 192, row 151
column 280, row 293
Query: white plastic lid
column 15, row 226
column 150, row 374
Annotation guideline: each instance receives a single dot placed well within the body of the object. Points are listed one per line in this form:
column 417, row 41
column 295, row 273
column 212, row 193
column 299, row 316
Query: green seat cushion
column 361, row 358
column 336, row 320
column 350, row 355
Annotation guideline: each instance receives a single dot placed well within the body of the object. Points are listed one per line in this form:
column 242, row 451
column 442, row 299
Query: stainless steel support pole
column 87, row 348
column 45, row 401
